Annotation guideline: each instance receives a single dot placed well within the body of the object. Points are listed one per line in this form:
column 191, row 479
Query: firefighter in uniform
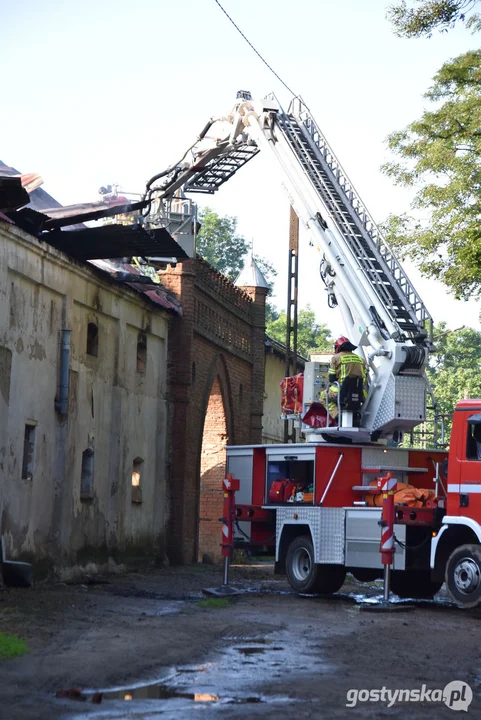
column 344, row 363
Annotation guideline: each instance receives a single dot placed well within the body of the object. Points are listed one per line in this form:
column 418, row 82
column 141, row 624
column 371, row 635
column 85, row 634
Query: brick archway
column 217, row 432
column 216, row 352
column 212, row 466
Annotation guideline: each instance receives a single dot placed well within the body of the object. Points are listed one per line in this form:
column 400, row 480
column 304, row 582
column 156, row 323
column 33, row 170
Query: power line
column 252, row 46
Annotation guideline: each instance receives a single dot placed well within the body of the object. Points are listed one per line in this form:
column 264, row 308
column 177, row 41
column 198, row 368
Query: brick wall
column 216, row 385
column 212, row 472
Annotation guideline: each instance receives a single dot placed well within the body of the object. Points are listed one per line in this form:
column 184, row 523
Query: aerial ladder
column 314, row 503
column 382, row 312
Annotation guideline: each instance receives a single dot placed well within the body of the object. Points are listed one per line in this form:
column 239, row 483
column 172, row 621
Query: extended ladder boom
column 381, row 309
column 345, row 208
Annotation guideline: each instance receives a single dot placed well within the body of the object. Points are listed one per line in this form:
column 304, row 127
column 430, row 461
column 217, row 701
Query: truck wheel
column 415, row 584
column 305, row 576
column 463, row 576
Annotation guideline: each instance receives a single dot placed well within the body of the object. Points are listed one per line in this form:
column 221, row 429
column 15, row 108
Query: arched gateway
column 216, row 387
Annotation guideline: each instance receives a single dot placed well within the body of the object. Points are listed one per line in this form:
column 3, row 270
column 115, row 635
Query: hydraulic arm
column 381, row 309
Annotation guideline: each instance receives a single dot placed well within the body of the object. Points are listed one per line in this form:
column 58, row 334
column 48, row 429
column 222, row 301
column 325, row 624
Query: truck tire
column 463, row 576
column 305, row 576
column 415, row 584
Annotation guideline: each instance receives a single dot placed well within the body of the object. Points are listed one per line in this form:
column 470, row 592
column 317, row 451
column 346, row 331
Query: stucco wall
column 272, row 425
column 115, row 410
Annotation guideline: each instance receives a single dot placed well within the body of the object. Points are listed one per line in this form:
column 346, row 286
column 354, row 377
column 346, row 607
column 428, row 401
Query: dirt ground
column 146, row 643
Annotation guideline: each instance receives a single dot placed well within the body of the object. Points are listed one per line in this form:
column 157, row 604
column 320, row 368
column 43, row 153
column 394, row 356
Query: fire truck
column 310, row 503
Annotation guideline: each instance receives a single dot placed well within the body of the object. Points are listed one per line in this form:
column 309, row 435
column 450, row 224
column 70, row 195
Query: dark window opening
column 473, row 446
column 136, row 480
column 92, row 339
column 87, row 475
column 141, row 354
column 28, row 452
column 241, row 394
column 193, row 372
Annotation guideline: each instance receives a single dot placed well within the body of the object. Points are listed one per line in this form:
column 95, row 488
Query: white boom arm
column 381, row 310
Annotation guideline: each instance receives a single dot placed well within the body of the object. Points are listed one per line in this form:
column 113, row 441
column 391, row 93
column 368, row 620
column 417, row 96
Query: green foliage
column 272, row 313
column 214, row 603
column 455, row 368
column 311, row 336
column 11, row 646
column 440, row 158
column 429, row 15
column 219, row 244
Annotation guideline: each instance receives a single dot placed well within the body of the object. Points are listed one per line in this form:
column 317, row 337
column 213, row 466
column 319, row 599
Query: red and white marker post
column 387, row 486
column 230, row 486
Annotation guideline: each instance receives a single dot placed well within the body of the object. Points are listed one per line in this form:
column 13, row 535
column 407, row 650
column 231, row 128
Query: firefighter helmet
column 343, row 343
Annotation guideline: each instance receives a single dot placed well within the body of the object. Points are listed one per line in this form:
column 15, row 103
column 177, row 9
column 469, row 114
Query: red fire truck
column 310, row 502
column 317, row 539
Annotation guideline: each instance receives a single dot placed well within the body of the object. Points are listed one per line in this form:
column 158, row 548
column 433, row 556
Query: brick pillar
column 258, row 333
column 181, row 538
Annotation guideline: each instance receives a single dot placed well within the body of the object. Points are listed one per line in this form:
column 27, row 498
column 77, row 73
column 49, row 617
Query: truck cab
column 464, row 466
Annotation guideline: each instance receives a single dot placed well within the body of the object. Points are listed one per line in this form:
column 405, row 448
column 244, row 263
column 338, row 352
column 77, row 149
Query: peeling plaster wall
column 115, row 410
column 272, row 425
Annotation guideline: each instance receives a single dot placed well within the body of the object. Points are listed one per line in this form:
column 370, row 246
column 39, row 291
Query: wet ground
column 149, row 646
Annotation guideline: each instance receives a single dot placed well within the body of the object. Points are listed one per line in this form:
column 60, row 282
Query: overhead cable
column 256, row 51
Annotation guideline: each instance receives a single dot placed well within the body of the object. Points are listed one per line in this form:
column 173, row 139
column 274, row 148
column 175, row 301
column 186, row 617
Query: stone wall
column 66, row 492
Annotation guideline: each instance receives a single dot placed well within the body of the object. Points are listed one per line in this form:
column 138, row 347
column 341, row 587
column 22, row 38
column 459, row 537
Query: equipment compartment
column 289, row 480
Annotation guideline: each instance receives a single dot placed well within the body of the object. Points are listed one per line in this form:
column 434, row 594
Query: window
column 136, row 480
column 241, row 394
column 87, row 475
column 141, row 353
column 92, row 339
column 28, row 451
column 193, row 373
column 473, row 447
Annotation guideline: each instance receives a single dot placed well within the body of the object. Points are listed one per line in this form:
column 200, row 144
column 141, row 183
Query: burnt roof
column 114, row 241
column 39, row 198
column 41, row 212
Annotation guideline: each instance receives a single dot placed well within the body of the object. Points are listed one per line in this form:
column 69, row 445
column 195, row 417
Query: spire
column 251, row 276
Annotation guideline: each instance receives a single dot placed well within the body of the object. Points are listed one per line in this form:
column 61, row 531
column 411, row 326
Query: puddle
column 162, row 692
column 439, row 602
column 233, row 676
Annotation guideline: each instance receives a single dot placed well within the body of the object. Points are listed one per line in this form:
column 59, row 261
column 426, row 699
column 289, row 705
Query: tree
column 454, row 370
column 311, row 336
column 219, row 244
column 440, row 157
column 432, row 15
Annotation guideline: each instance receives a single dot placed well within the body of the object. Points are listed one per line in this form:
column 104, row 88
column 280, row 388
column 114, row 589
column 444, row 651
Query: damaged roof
column 107, row 247
column 115, row 241
column 130, row 275
column 37, row 199
column 41, row 215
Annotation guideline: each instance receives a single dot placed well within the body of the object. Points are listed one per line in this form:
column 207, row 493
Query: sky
column 103, row 92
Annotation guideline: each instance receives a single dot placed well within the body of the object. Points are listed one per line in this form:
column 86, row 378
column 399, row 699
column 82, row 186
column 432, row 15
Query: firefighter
column 344, row 363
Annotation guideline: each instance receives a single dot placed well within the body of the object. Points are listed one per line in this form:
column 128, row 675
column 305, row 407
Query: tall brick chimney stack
column 254, row 284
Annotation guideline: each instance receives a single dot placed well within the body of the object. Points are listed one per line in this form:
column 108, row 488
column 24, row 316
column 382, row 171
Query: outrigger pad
column 384, row 606
column 221, row 591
